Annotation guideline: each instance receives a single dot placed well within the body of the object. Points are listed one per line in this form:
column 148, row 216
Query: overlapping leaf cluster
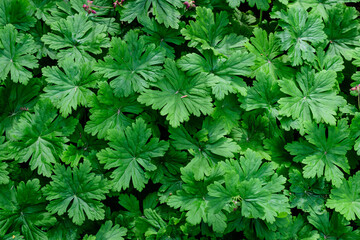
column 174, row 119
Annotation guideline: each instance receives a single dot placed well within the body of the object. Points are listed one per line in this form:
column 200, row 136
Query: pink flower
column 116, row 3
column 190, row 4
column 356, row 88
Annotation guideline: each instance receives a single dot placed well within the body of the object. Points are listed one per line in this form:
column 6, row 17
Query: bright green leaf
column 77, row 191
column 179, row 95
column 16, row 55
column 132, row 64
column 130, row 154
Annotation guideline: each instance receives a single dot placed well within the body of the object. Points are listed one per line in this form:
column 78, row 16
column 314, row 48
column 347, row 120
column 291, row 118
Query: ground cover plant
column 173, row 119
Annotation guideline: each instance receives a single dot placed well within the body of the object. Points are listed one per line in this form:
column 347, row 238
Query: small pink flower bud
column 89, row 2
column 187, row 4
column 93, row 11
column 117, row 3
column 355, row 88
column 85, row 6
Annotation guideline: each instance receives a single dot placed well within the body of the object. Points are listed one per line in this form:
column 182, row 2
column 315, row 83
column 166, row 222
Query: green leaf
column 355, row 132
column 255, row 201
column 130, row 203
column 4, row 174
column 41, row 137
column 16, row 99
column 130, row 154
column 297, row 228
column 274, row 146
column 307, row 194
column 77, row 191
column 110, row 112
column 43, row 7
column 132, row 64
column 16, row 54
column 70, row 8
column 268, row 55
column 227, row 112
column 12, row 236
column 165, row 11
column 311, row 96
column 345, row 199
column 342, row 30
column 108, row 232
column 193, row 197
column 235, row 3
column 18, row 13
column 223, row 73
column 64, row 229
column 210, row 32
column 248, row 135
column 301, row 30
column 250, row 185
column 69, row 88
column 22, row 209
column 323, row 154
column 168, row 166
column 328, row 61
column 208, row 146
column 161, row 36
column 43, row 50
column 334, row 227
column 84, row 147
column 263, row 5
column 264, row 94
column 75, row 37
column 179, row 95
column 319, row 7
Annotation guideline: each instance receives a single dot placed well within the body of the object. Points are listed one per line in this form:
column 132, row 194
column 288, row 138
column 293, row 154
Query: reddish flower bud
column 187, row 4
column 85, row 6
column 356, row 88
column 93, row 11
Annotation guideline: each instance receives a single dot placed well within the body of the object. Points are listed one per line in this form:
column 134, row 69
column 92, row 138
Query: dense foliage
column 174, row 119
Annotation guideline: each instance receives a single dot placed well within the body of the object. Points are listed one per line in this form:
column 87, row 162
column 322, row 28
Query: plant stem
column 260, row 18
